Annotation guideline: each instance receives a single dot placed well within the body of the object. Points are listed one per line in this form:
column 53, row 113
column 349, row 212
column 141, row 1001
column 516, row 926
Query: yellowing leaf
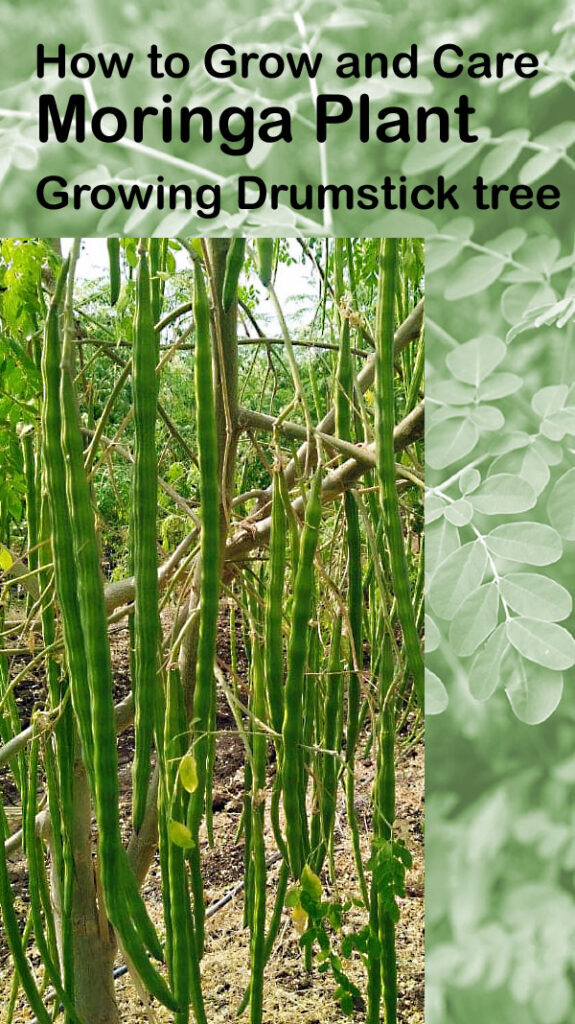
column 311, row 884
column 188, row 772
column 180, row 835
column 6, row 560
column 299, row 919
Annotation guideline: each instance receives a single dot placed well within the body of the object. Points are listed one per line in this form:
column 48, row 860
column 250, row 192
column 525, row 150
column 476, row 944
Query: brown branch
column 407, row 332
column 256, row 533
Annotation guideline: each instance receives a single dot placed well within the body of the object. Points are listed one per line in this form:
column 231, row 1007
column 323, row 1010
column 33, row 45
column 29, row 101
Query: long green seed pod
column 234, row 264
column 273, row 638
column 31, row 499
column 58, row 806
column 181, row 945
column 157, row 255
column 258, row 852
column 178, row 896
column 123, row 901
column 35, row 867
column 144, row 510
column 114, row 268
column 383, row 818
column 292, row 731
column 273, row 929
column 329, row 741
column 65, row 568
column 12, row 933
column 209, row 572
column 265, row 256
column 344, row 371
column 384, row 424
column 343, row 422
column 355, row 608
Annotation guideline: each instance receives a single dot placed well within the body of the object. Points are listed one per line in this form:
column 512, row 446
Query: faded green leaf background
column 501, row 412
column 499, row 567
column 525, row 126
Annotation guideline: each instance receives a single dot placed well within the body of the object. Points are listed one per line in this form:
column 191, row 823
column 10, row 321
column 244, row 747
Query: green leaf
column 561, row 505
column 548, row 450
column 499, row 385
column 292, row 898
column 533, row 692
column 469, row 481
column 180, row 834
column 520, row 302
column 460, row 513
column 432, row 635
column 540, row 252
column 499, row 160
column 442, row 541
column 504, row 494
column 435, row 506
column 508, row 241
column 452, row 392
column 532, row 543
column 487, row 417
column 188, row 773
column 526, row 463
column 536, row 596
column 474, row 620
column 436, row 699
column 475, row 360
column 450, row 441
column 484, row 674
column 461, row 573
column 542, row 642
column 559, row 424
column 510, row 441
column 6, row 560
column 440, row 252
column 549, row 400
column 539, row 165
column 474, row 276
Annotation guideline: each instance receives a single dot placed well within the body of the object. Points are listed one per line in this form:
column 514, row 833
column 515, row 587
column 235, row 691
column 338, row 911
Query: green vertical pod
column 384, row 426
column 144, row 536
column 330, row 742
column 65, row 568
column 344, row 369
column 234, row 264
column 292, row 731
column 32, row 501
column 12, row 934
column 355, row 610
column 343, row 423
column 265, row 259
column 258, row 853
column 204, row 691
column 182, row 962
column 382, row 965
column 34, row 856
column 114, row 269
column 123, row 902
column 273, row 636
column 157, row 257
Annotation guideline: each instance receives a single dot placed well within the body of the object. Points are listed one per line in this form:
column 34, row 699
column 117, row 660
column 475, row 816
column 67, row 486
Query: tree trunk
column 93, row 940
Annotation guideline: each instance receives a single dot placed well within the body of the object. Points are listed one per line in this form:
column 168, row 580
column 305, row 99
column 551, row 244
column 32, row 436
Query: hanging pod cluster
column 325, row 662
column 146, row 626
column 81, row 598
